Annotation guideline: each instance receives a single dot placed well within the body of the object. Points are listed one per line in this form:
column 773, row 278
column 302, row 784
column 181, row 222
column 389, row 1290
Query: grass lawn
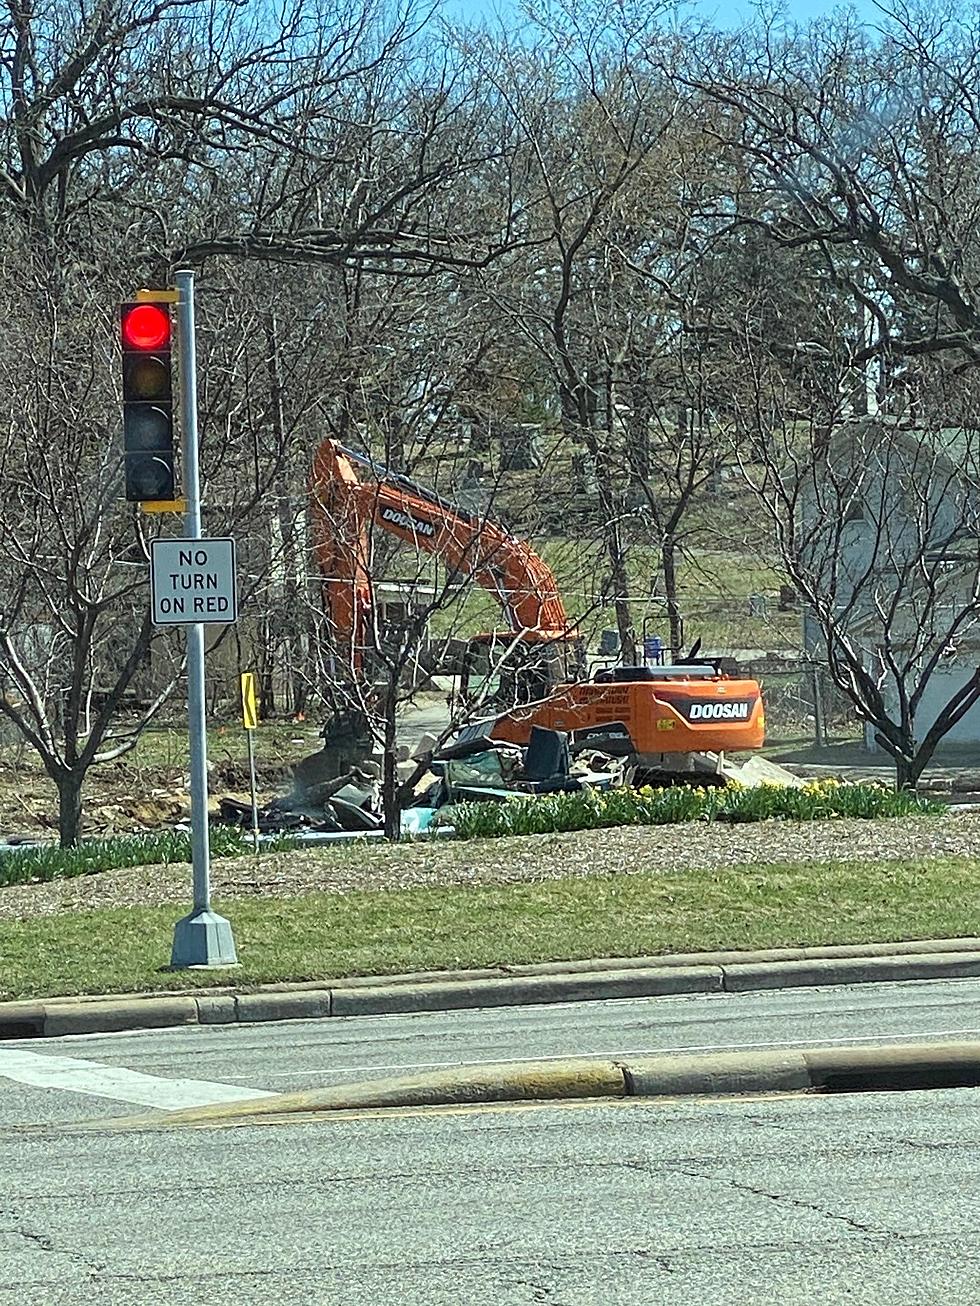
column 166, row 747
column 714, row 587
column 320, row 936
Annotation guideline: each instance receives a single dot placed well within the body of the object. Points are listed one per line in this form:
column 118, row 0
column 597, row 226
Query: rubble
column 758, row 770
column 346, row 802
column 347, row 743
column 472, row 767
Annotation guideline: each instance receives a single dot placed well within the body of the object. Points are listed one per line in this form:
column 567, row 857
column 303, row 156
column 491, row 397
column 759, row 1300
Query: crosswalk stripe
column 72, row 1074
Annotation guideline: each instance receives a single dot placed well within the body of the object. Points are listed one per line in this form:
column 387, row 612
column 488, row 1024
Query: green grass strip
column 34, row 865
column 592, row 809
column 322, row 936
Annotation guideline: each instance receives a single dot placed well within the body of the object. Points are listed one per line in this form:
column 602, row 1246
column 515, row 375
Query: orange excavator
column 537, row 666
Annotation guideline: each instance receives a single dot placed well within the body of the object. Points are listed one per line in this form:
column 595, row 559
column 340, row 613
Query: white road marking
column 71, row 1074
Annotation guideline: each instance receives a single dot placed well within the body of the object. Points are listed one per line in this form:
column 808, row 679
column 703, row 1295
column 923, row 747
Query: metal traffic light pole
column 203, row 938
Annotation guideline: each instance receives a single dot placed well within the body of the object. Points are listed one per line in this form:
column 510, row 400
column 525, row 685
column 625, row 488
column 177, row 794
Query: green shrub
column 591, row 809
column 32, row 865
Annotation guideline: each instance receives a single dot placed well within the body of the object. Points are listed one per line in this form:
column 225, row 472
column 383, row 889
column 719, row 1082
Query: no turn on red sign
column 193, row 581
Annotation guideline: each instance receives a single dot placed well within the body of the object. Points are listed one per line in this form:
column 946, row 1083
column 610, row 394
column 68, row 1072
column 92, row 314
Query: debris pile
column 347, row 803
column 475, row 767
column 471, row 768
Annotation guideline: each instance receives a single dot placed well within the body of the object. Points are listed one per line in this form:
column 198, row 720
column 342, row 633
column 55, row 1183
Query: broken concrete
column 758, row 770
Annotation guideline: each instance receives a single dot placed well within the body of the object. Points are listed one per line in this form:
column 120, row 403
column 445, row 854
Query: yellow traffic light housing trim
column 157, row 297
column 163, row 505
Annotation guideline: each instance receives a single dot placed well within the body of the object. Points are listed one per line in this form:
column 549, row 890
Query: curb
column 600, row 978
column 715, row 1074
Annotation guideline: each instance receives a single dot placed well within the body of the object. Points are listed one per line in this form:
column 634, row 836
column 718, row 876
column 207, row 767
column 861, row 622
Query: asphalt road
column 864, row 1199
column 292, row 1055
column 846, row 1199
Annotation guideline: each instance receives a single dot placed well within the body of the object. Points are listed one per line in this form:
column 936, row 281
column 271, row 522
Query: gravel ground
column 535, row 857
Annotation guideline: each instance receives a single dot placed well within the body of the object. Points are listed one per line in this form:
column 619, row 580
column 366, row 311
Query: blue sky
column 725, row 13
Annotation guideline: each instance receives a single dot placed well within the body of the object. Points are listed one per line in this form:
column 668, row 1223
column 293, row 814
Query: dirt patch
column 116, row 802
column 120, row 799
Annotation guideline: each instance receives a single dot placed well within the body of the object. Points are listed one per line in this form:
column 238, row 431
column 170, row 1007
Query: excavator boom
column 347, row 509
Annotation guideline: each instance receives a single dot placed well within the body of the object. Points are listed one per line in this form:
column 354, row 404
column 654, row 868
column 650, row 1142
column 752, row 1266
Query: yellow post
column 250, row 720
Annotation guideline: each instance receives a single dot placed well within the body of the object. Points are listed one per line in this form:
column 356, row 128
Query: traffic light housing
column 148, row 412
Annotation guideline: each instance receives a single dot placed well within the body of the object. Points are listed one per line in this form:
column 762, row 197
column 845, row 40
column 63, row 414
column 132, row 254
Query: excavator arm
column 347, row 509
column 341, row 548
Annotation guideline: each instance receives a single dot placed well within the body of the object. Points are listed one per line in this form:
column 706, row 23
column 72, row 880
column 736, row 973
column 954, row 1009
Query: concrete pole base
column 203, row 939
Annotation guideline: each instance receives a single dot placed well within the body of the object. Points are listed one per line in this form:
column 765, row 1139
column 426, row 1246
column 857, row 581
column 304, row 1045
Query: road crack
column 799, row 1203
column 45, row 1243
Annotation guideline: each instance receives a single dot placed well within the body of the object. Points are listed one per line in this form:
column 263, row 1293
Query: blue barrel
column 653, row 650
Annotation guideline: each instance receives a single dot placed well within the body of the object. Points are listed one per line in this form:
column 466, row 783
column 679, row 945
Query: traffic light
column 148, row 413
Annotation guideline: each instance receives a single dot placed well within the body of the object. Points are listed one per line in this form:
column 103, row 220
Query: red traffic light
column 147, row 393
column 145, row 326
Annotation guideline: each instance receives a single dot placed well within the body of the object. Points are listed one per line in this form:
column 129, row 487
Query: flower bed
column 39, row 864
column 590, row 809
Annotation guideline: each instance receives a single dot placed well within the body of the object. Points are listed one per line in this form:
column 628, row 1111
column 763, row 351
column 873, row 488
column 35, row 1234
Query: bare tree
column 609, row 301
column 75, row 634
column 591, row 127
column 877, row 521
column 858, row 147
column 138, row 135
column 847, row 229
column 82, row 669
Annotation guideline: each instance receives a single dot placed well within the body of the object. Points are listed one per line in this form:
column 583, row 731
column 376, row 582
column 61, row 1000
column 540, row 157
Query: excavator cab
column 501, row 669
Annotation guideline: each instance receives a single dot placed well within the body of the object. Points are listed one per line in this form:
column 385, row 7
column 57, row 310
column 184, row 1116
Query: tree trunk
column 389, row 797
column 910, row 760
column 638, row 431
column 69, row 785
column 909, row 768
column 907, row 772
column 389, row 779
column 616, row 553
column 668, row 555
column 620, row 577
column 396, row 439
column 267, row 664
column 627, row 635
column 296, row 645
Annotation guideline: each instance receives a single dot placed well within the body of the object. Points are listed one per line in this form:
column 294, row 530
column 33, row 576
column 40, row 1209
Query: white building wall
column 943, row 683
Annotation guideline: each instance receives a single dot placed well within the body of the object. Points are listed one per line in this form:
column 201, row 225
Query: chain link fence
column 802, row 702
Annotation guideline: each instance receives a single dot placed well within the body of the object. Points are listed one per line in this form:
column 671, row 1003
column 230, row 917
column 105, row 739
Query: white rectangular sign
column 193, row 580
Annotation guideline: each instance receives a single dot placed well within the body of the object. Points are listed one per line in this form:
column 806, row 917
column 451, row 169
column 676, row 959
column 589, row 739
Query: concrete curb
column 527, row 1081
column 715, row 1074
column 720, row 972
